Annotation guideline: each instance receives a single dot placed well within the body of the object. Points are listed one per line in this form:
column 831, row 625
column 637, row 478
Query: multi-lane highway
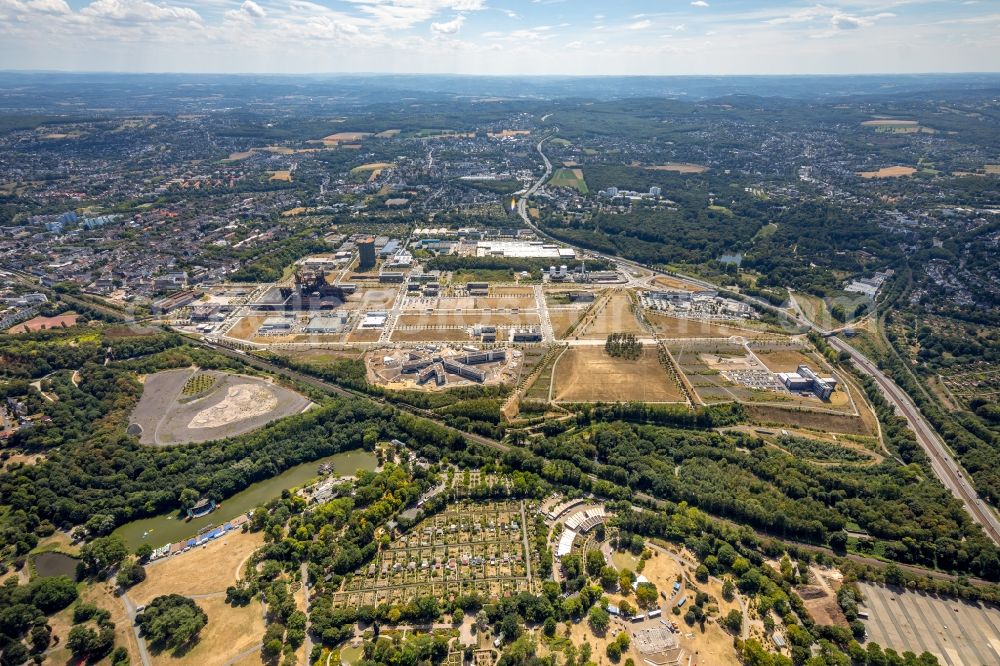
column 945, row 467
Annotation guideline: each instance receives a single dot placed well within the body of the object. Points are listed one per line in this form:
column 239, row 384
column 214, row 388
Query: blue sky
column 502, row 36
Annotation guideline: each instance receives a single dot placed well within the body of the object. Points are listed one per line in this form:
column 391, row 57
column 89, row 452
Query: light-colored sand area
column 243, row 401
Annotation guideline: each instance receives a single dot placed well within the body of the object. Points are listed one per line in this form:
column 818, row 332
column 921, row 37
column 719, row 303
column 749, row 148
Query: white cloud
column 639, row 25
column 251, row 8
column 699, row 3
column 248, row 11
column 449, row 27
column 847, row 22
column 138, row 11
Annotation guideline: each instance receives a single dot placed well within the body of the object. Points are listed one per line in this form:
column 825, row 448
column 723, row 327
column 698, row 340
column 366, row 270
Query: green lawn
column 569, row 178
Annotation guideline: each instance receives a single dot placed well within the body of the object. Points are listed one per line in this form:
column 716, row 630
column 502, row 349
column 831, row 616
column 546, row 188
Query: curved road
column 942, row 463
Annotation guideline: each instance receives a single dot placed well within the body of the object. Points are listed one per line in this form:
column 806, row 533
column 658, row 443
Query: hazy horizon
column 506, row 37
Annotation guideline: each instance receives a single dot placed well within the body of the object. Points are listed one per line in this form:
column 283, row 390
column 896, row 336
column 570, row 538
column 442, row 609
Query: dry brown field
column 205, row 573
column 321, row 356
column 283, row 175
column 341, row 137
column 613, row 316
column 231, row 630
column 888, row 172
column 714, row 646
column 677, row 327
column 246, row 327
column 510, row 290
column 563, row 318
column 374, row 169
column 365, row 335
column 839, row 423
column 460, row 319
column 788, row 360
column 679, row 167
column 203, row 570
column 822, row 607
column 46, row 323
column 377, row 298
column 431, row 335
column 886, row 122
column 588, row 374
column 507, row 302
column 101, row 595
column 672, row 283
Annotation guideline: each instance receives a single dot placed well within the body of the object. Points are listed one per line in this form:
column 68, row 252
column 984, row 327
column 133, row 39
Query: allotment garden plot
column 468, row 548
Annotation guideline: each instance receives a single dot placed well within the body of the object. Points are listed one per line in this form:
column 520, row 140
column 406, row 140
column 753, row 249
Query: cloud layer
column 534, row 36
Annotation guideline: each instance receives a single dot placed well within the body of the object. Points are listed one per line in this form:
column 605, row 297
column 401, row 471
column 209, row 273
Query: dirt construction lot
column 588, row 374
column 237, row 404
column 957, row 632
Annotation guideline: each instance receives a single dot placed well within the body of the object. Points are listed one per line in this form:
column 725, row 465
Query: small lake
column 168, row 528
column 48, row 565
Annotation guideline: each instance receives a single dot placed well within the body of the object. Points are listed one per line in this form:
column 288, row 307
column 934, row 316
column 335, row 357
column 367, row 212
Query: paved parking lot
column 957, row 632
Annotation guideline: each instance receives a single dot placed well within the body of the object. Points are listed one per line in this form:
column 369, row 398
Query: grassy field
column 588, row 374
column 569, row 178
column 482, row 275
column 539, row 389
